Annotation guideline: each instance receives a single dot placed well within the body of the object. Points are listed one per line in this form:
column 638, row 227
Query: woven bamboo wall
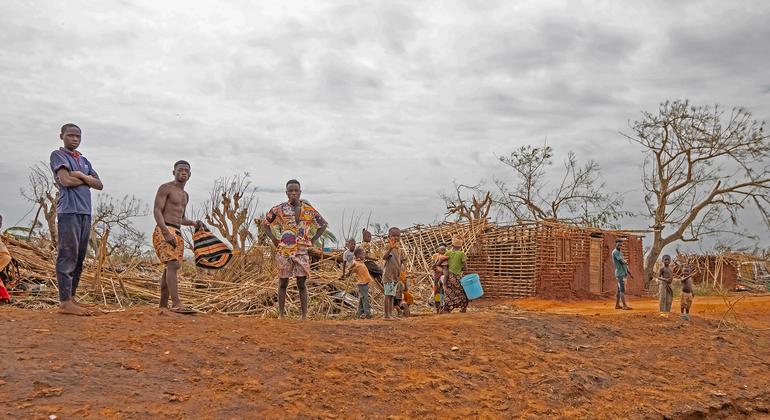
column 506, row 260
column 420, row 242
column 561, row 252
column 546, row 259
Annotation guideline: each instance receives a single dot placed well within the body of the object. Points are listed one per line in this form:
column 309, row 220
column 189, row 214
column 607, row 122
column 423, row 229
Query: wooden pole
column 34, row 222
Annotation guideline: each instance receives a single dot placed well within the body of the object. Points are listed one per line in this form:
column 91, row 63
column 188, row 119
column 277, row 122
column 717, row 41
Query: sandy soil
column 503, row 359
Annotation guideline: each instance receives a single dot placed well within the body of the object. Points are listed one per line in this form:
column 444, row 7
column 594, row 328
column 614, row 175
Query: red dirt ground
column 512, row 359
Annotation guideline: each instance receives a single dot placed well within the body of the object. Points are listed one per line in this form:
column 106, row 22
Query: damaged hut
column 545, row 259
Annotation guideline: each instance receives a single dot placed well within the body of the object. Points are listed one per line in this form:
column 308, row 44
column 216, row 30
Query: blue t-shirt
column 620, row 264
column 72, row 200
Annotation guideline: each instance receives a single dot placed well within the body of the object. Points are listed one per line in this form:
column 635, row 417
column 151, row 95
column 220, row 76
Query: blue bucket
column 472, row 286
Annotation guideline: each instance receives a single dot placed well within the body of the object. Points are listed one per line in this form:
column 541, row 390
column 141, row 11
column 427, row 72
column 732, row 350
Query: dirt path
column 751, row 310
column 508, row 362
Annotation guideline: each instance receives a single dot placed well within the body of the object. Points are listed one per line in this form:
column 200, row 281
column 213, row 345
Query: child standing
column 687, row 294
column 403, row 297
column 665, row 291
column 440, row 272
column 347, row 256
column 391, row 273
column 363, row 278
column 454, row 293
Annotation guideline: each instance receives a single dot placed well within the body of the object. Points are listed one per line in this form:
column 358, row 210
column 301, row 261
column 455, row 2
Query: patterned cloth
column 210, row 252
column 390, row 288
column 5, row 259
column 438, row 281
column 438, row 290
column 165, row 252
column 294, row 236
column 454, row 294
column 297, row 265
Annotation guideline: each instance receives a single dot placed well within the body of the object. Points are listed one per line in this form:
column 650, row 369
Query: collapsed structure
column 727, row 271
column 546, row 259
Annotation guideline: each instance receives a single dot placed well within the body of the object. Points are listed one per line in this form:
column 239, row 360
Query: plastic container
column 472, row 286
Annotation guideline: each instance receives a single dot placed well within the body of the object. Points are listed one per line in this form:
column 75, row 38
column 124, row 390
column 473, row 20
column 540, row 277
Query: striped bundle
column 209, row 251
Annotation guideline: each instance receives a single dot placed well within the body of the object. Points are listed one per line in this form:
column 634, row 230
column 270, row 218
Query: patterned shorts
column 686, row 300
column 390, row 289
column 165, row 252
column 297, row 265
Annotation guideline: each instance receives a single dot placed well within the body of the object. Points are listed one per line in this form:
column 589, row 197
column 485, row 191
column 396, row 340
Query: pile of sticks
column 710, row 269
column 247, row 286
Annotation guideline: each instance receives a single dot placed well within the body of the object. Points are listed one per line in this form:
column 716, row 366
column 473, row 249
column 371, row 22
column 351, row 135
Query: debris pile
column 728, row 271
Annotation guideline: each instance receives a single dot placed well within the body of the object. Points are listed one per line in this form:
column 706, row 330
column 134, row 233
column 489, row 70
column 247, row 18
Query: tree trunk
column 34, row 222
column 53, row 231
column 652, row 257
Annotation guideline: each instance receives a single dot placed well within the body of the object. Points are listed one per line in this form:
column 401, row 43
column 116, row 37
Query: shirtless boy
column 169, row 211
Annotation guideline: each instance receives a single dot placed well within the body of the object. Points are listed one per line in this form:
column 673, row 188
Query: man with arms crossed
column 75, row 178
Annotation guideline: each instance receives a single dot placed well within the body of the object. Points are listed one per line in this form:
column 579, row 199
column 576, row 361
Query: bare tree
column 232, row 209
column 579, row 197
column 475, row 207
column 350, row 225
column 43, row 191
column 703, row 166
column 117, row 216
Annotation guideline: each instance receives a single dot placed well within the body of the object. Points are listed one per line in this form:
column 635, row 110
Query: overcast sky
column 373, row 106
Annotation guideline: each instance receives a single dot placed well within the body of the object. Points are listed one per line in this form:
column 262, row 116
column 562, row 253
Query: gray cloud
column 373, row 106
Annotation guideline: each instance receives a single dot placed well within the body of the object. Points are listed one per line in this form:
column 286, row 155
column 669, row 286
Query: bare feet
column 81, row 304
column 70, row 308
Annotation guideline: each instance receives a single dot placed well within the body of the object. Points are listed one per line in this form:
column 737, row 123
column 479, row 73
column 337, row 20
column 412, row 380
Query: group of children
column 666, row 291
column 447, row 264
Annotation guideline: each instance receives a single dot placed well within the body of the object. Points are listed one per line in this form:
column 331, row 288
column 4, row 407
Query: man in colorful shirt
column 75, row 177
column 300, row 225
